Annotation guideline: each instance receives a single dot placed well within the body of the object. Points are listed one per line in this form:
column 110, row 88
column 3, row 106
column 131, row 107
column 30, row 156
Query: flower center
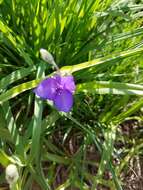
column 59, row 91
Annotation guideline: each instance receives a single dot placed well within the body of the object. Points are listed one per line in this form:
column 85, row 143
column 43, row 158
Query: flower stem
column 14, row 186
column 56, row 67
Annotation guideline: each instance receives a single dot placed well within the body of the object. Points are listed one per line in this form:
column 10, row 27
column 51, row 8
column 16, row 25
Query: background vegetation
column 98, row 145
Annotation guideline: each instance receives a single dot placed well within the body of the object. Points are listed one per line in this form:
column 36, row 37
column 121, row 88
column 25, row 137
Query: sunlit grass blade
column 11, row 125
column 13, row 38
column 16, row 75
column 105, row 87
column 36, row 134
column 104, row 60
column 37, row 120
column 132, row 109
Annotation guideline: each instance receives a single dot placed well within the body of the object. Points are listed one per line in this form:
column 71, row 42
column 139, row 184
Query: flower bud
column 46, row 56
column 11, row 174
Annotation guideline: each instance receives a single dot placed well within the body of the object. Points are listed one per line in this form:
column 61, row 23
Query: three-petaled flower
column 59, row 89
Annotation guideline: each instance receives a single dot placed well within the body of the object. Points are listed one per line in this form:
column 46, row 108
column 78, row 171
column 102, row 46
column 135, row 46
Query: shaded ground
column 131, row 175
column 133, row 180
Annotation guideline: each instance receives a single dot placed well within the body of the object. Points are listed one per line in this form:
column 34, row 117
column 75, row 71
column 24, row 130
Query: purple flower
column 59, row 89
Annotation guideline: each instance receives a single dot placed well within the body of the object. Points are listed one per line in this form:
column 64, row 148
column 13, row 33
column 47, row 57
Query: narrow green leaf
column 5, row 159
column 37, row 120
column 133, row 108
column 55, row 158
column 18, row 89
column 13, row 38
column 16, row 75
column 110, row 135
column 104, row 60
column 11, row 125
column 107, row 87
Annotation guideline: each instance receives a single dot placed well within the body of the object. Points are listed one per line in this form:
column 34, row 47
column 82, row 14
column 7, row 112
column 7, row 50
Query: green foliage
column 100, row 43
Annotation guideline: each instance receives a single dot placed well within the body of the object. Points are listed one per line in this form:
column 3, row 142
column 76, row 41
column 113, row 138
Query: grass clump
column 98, row 145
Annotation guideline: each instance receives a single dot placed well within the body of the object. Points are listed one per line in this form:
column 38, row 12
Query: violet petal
column 46, row 89
column 63, row 100
column 68, row 83
column 57, row 78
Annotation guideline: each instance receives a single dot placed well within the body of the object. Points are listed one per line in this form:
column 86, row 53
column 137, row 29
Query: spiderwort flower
column 59, row 89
